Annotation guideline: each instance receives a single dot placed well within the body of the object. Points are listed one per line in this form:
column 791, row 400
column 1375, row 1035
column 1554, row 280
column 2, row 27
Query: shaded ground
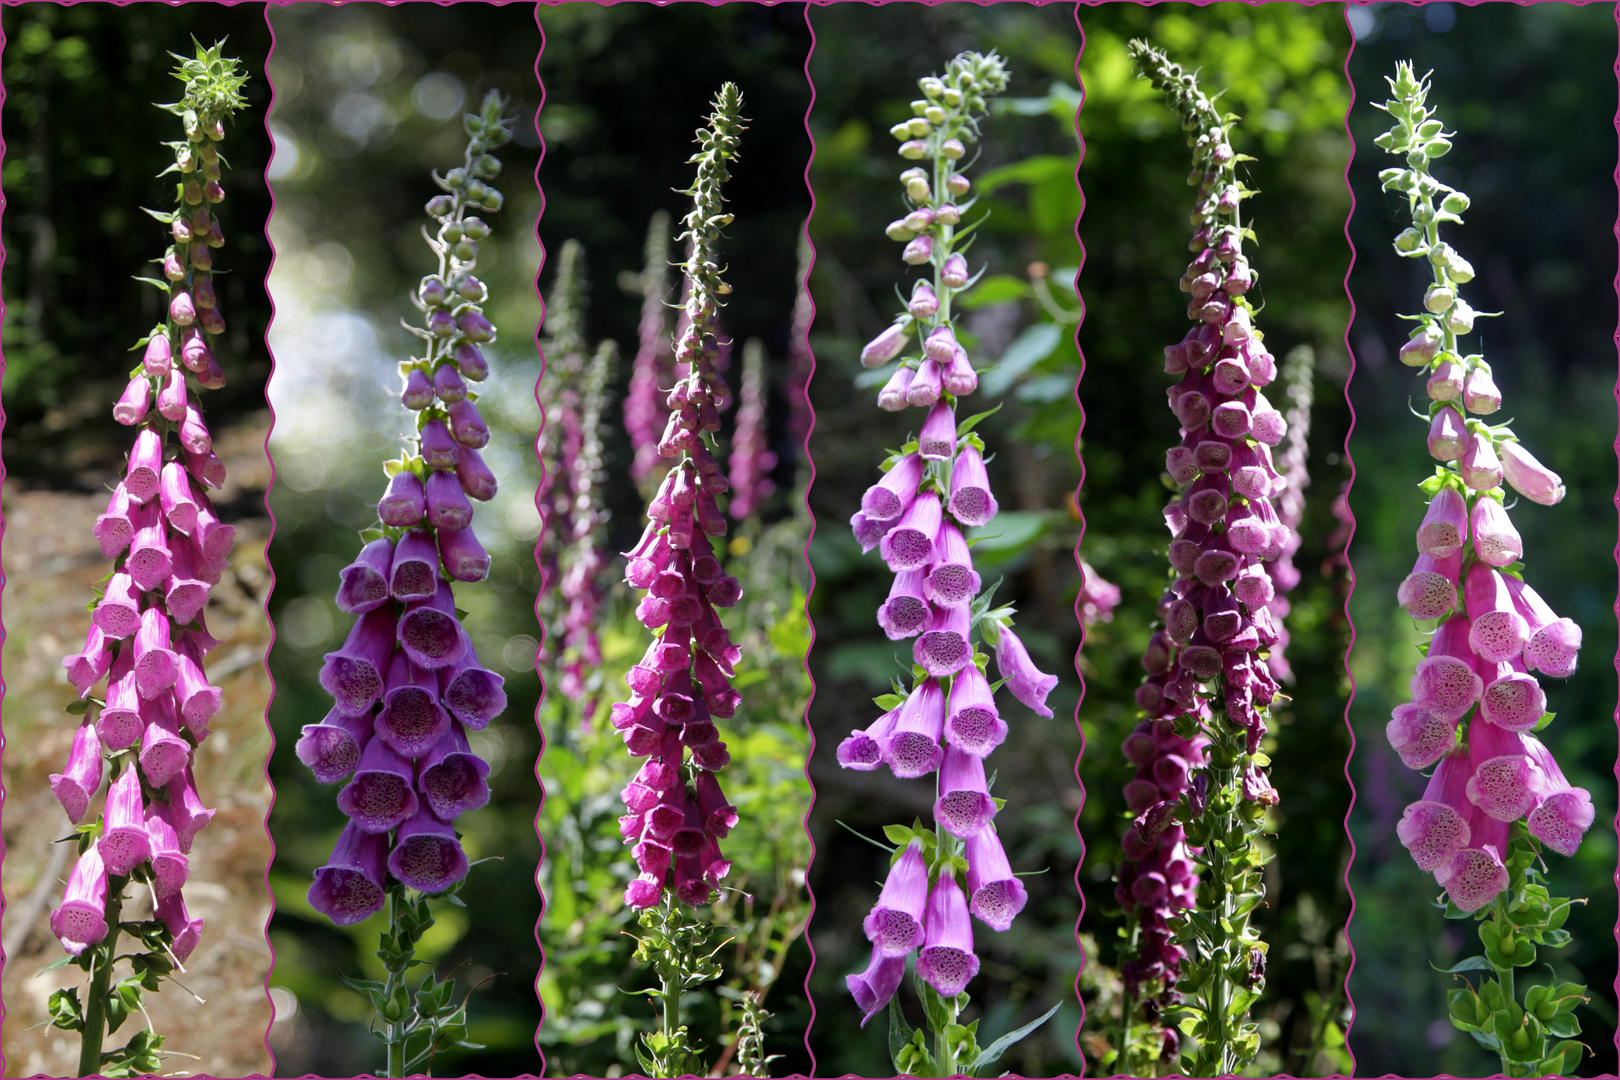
column 50, row 560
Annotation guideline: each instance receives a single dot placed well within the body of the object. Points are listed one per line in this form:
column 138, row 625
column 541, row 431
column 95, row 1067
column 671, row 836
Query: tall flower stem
column 95, row 1009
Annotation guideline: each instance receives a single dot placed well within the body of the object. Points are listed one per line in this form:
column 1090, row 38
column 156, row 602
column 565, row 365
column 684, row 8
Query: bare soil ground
column 50, row 560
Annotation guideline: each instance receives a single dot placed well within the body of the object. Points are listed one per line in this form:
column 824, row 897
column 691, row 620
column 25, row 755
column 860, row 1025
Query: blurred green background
column 1531, row 94
column 626, row 88
column 1281, row 69
column 369, row 99
column 865, row 68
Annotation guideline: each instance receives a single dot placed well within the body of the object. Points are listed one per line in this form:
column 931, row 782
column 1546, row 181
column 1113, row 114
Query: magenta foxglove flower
column 895, row 925
column 947, row 961
column 873, row 987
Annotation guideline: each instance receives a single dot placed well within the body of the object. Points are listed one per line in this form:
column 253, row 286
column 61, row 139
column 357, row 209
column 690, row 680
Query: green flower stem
column 95, row 1009
column 395, row 1040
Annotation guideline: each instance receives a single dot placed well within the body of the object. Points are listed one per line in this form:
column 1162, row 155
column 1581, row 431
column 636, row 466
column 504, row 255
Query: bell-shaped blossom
column 1028, row 683
column 1430, row 590
column 964, row 805
column 1498, row 631
column 332, row 747
column 971, row 502
column 80, row 921
column 349, row 888
column 382, row 794
column 911, row 748
column 972, row 723
column 427, row 856
column 873, row 987
column 944, row 649
column 1496, row 541
column 895, row 924
column 1552, row 643
column 947, row 960
column 1528, row 476
column 995, row 895
column 1445, row 525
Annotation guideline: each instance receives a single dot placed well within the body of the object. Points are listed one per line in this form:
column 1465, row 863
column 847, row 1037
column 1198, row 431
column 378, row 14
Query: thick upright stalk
column 95, row 1009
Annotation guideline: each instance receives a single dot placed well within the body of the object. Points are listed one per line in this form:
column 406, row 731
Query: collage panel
column 1250, row 351
column 674, row 768
column 943, row 553
column 404, row 394
column 1531, row 265
column 135, row 630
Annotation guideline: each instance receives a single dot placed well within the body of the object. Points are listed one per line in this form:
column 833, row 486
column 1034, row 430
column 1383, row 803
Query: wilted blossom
column 918, row 515
column 1495, row 633
column 407, row 685
column 683, row 682
column 148, row 636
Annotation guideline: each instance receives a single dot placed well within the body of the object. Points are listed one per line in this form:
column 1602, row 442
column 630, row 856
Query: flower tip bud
column 914, row 150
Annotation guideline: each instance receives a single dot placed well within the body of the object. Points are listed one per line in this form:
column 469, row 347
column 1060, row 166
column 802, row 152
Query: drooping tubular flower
column 677, row 812
column 933, row 491
column 148, row 634
column 1208, row 682
column 407, row 685
column 1495, row 633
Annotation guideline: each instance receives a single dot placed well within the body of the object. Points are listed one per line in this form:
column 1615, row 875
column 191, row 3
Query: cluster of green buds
column 1497, row 799
column 680, row 948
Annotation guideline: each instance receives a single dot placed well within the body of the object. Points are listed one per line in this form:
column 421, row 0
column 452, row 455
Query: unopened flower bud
column 474, row 228
column 213, row 192
column 474, row 327
column 1408, row 240
column 952, row 149
column 1480, row 394
column 924, row 304
column 919, row 127
column 919, row 250
column 469, row 288
column 493, row 200
column 455, row 178
column 955, row 271
column 948, row 214
column 1439, row 298
column 465, row 251
column 418, row 392
column 172, row 268
column 181, row 308
column 1422, row 347
column 914, row 150
column 191, row 192
column 441, row 324
column 901, row 131
column 1530, row 477
column 919, row 220
column 1460, row 320
column 887, row 345
column 899, row 231
column 958, row 184
column 1446, row 435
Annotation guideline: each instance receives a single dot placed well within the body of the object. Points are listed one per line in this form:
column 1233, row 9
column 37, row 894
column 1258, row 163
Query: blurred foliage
column 1280, row 66
column 368, row 101
column 618, row 129
column 1534, row 150
column 83, row 152
column 865, row 68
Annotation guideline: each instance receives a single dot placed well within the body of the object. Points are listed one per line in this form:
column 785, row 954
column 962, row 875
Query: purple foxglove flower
column 1553, row 643
column 453, row 779
column 181, row 308
column 76, row 785
column 195, row 352
column 472, row 693
column 919, row 250
column 1480, row 468
column 349, row 888
column 186, row 810
column 923, row 304
column 1430, row 590
column 418, row 392
column 405, row 502
column 1496, row 541
column 873, row 987
column 927, row 386
column 131, row 407
column 959, row 377
column 912, row 749
column 1265, row 423
column 197, row 701
column 1028, row 684
column 164, row 754
column 887, row 345
column 120, row 723
column 955, row 271
column 184, row 931
column 1098, row 598
column 429, row 632
column 382, row 794
column 1447, row 435
column 439, row 450
column 464, row 557
column 1499, row 631
column 906, row 611
column 1208, row 500
column 951, row 580
column 1528, row 476
column 688, row 837
column 124, row 844
column 994, row 894
column 207, row 468
column 1562, row 813
column 1446, row 681
column 175, row 499
column 1445, row 382
column 474, row 476
column 474, row 327
column 910, row 543
column 719, row 817
column 1480, row 394
column 81, row 920
column 863, row 750
column 1422, row 347
column 414, row 573
column 971, row 502
column 946, row 961
column 447, row 505
column 354, row 674
column 972, row 722
column 113, row 529
column 471, row 363
column 896, row 393
column 467, row 426
column 170, row 867
column 868, row 533
column 171, row 402
column 644, row 891
column 155, row 669
column 1445, row 524
column 411, row 720
column 332, row 747
column 941, row 344
column 214, row 538
column 1512, row 699
column 944, row 649
column 937, row 442
column 145, row 465
column 149, row 559
column 427, row 856
column 690, row 885
column 1474, row 876
column 890, row 497
column 1231, row 420
column 895, row 924
column 1435, row 828
column 964, row 805
column 363, row 584
column 158, row 359
column 118, row 612
column 1508, row 781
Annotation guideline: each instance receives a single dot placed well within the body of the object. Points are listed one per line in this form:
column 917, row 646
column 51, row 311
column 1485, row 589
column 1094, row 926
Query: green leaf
column 900, row 1032
column 1035, row 344
column 163, row 286
column 898, row 835
column 1472, row 963
column 973, row 421
column 990, row 1054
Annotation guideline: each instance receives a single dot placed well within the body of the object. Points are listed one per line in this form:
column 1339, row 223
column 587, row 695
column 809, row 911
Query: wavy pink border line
column 3, row 904
column 538, row 562
column 269, row 728
column 1617, row 504
column 1079, row 486
column 1350, row 571
column 808, row 566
